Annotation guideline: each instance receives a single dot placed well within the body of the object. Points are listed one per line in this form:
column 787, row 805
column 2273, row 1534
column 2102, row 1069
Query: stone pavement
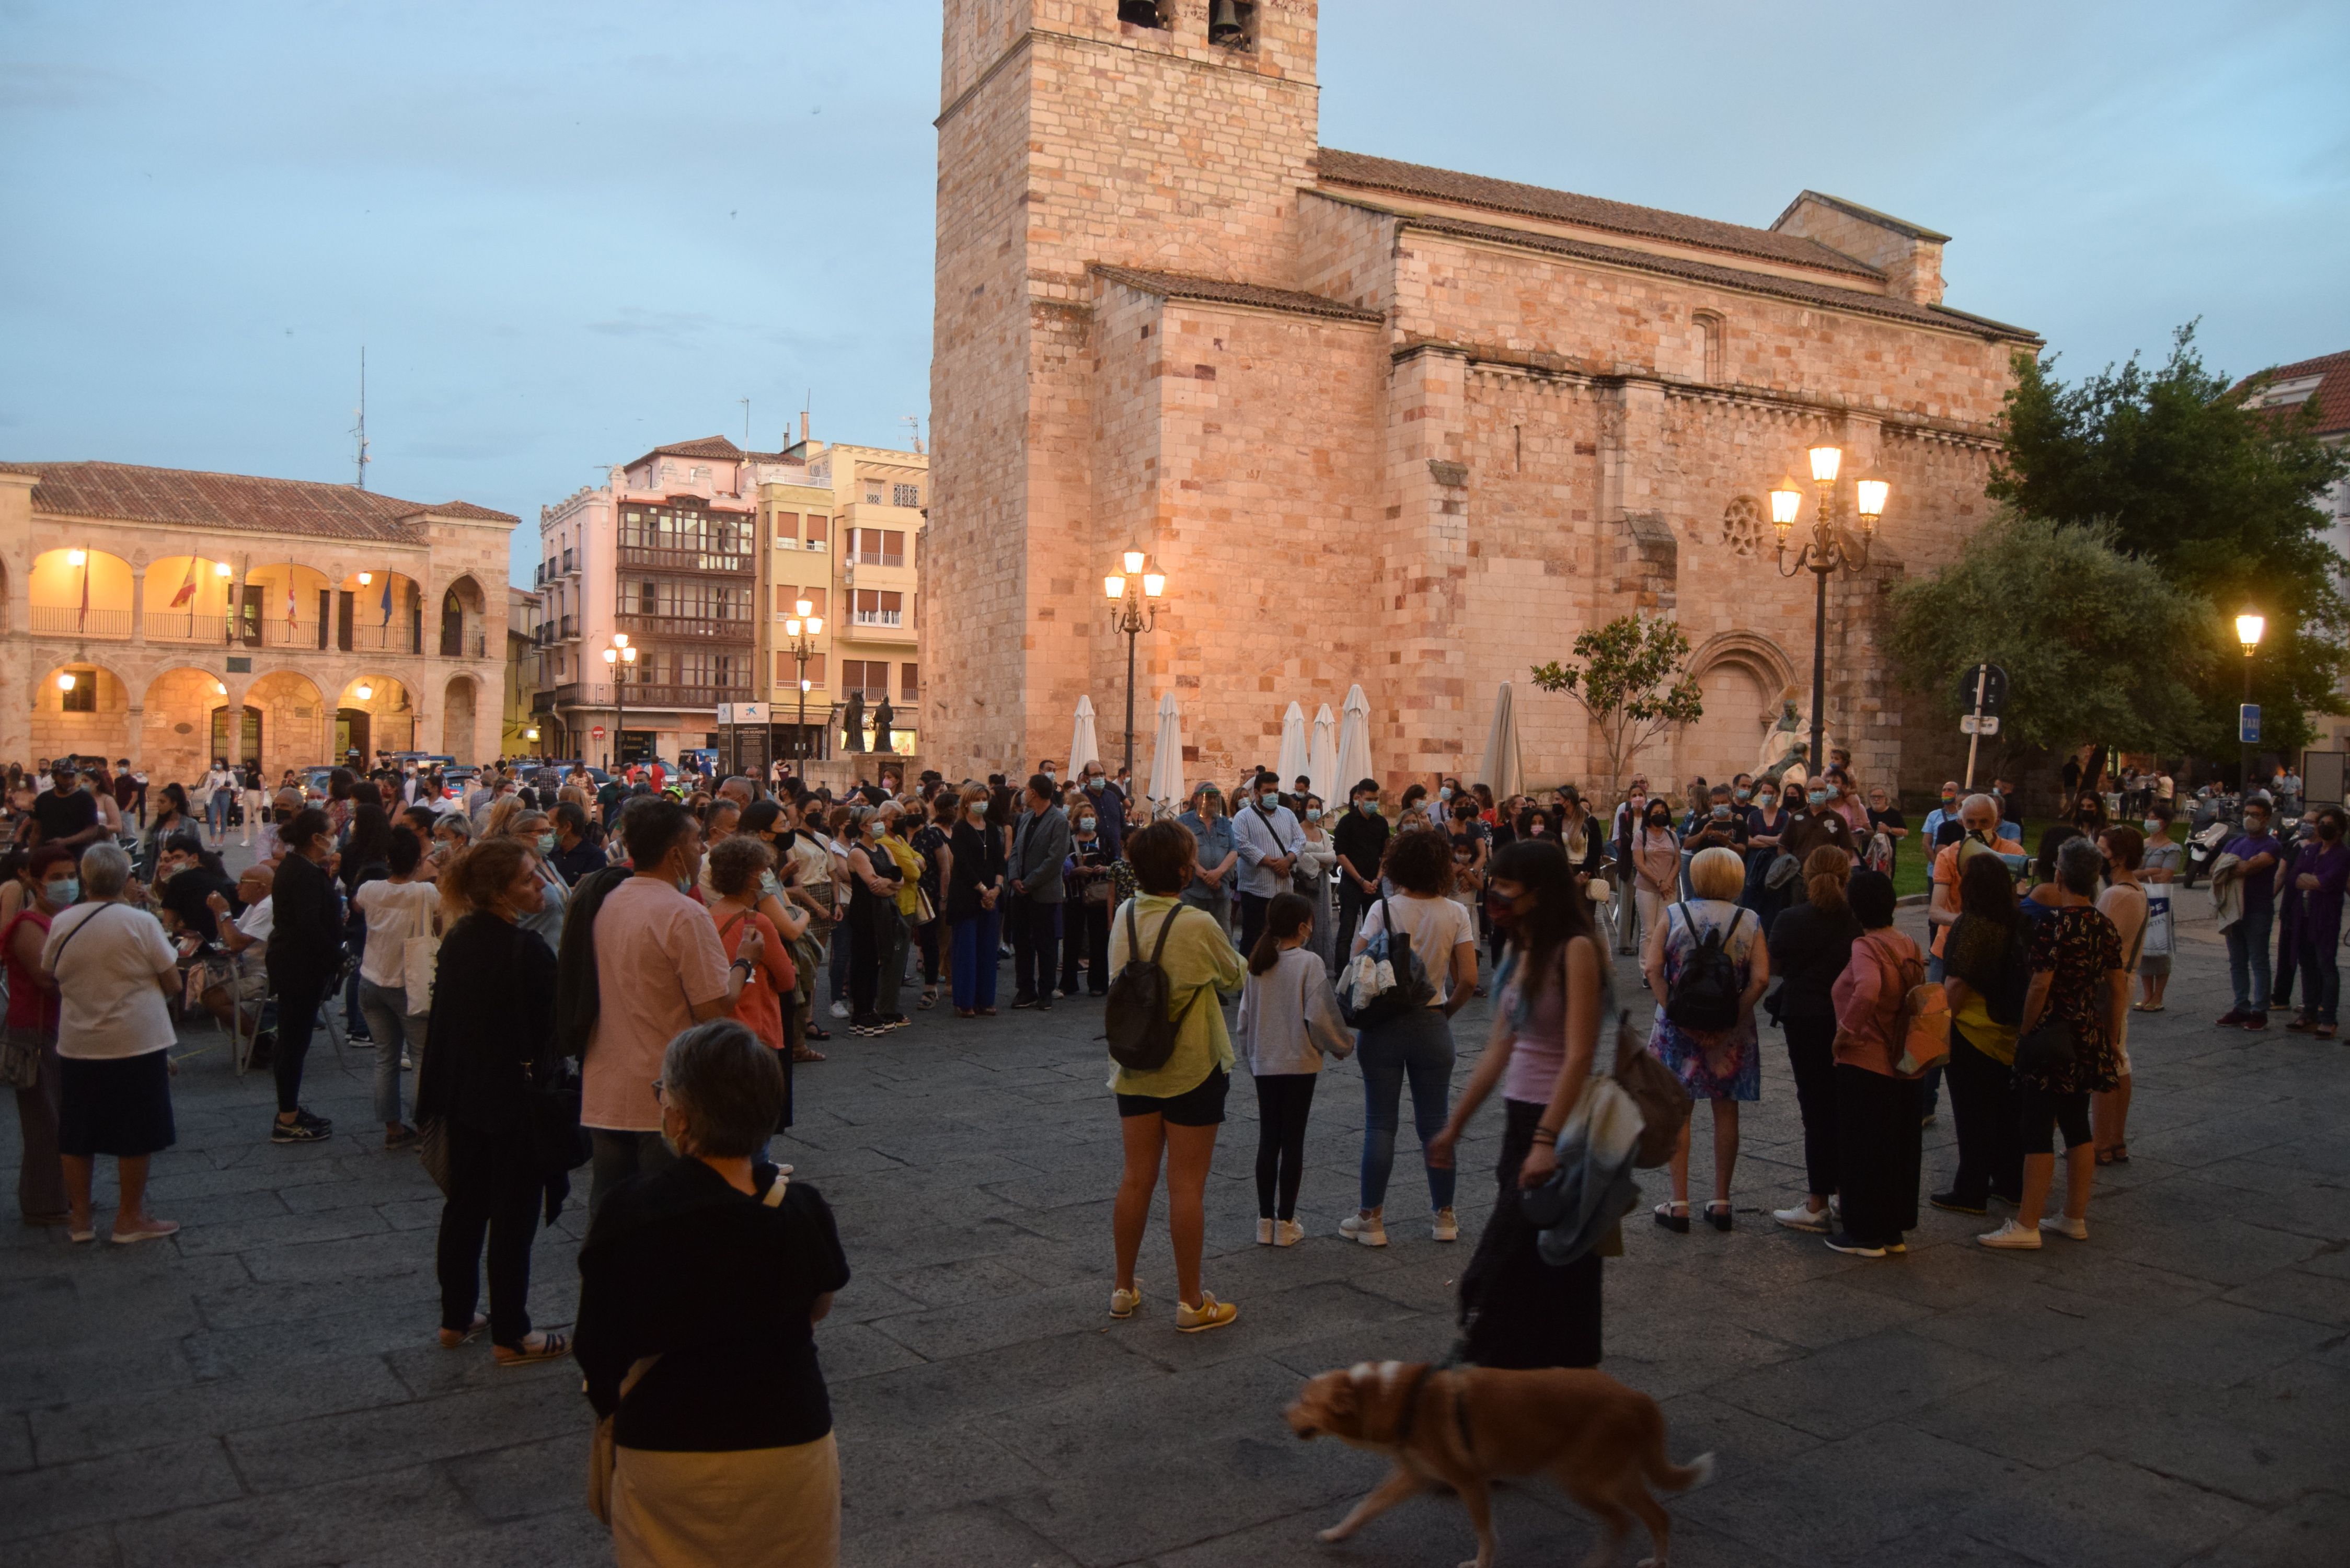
column 265, row 1389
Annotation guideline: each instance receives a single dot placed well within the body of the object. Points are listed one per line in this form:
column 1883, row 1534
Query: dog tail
column 1679, row 1477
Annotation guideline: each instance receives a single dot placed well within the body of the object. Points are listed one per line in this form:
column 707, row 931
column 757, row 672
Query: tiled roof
column 241, row 502
column 1183, row 285
column 716, row 446
column 1590, row 211
column 1732, row 277
column 2333, row 394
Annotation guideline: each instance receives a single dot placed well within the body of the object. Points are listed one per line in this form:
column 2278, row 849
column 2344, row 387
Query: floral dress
column 1710, row 1066
column 2080, row 948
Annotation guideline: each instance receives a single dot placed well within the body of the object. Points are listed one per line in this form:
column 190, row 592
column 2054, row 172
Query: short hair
column 1419, row 860
column 37, row 862
column 1365, row 785
column 2127, row 847
column 1041, row 786
column 403, row 852
column 2159, row 810
column 726, row 1084
column 184, row 841
column 307, row 824
column 1870, row 893
column 1162, row 854
column 2078, row 864
column 105, row 870
column 1717, row 873
column 570, row 816
column 736, row 862
column 650, row 826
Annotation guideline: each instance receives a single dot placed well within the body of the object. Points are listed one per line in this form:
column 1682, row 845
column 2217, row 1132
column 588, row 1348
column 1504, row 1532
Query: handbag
column 420, row 960
column 1386, row 980
column 2048, row 1051
column 556, row 1139
column 20, row 1055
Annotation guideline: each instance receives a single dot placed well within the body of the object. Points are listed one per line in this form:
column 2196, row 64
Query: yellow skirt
column 751, row 1507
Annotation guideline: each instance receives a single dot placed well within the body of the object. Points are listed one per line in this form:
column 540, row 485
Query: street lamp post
column 2249, row 627
column 1129, row 594
column 802, row 628
column 1829, row 550
column 618, row 657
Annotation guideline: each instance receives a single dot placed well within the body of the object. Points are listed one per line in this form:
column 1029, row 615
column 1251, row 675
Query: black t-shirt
column 185, row 896
column 682, row 1265
column 63, row 815
column 1708, row 831
column 579, row 860
column 1892, row 818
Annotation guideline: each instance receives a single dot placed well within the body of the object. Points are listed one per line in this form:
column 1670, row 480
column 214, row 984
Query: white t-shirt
column 257, row 922
column 395, row 912
column 109, row 1005
column 1436, row 926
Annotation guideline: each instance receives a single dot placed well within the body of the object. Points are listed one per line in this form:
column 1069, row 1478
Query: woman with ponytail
column 1288, row 1023
column 1810, row 945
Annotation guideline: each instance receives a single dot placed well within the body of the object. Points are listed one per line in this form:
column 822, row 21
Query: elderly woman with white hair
column 701, row 1285
column 114, row 969
column 1705, row 1022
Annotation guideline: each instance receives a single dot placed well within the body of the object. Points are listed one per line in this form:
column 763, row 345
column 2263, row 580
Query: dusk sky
column 567, row 233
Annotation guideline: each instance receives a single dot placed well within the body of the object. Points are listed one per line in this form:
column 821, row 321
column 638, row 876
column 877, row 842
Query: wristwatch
column 745, row 965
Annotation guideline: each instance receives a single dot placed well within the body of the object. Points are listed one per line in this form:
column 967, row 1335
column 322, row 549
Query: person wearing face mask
column 660, row 968
column 535, row 833
column 739, row 869
column 974, row 894
column 2257, row 857
column 1655, row 865
column 1318, row 855
column 1631, row 816
column 1360, row 840
column 932, row 840
column 1887, row 828
column 1265, row 836
column 1817, row 822
column 2158, row 867
column 395, row 908
column 1942, row 826
column 33, row 1030
column 1088, row 896
column 1219, row 845
column 1109, row 808
column 2314, row 885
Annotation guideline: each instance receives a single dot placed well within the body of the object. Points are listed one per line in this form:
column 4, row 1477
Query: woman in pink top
column 1515, row 1309
column 1877, row 1113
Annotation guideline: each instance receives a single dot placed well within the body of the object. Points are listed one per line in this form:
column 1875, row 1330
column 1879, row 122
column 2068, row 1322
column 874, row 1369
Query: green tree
column 1634, row 681
column 2221, row 497
column 2098, row 644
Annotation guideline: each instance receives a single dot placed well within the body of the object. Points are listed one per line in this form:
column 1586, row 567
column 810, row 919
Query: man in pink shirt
column 659, row 970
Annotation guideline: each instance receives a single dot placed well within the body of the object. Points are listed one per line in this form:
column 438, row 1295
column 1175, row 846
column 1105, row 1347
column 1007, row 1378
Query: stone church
column 1387, row 424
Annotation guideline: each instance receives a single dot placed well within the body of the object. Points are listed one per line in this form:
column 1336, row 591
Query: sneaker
column 1042, row 1005
column 2253, row 1021
column 1370, row 1230
column 1123, row 1302
column 400, row 1138
column 1803, row 1217
column 299, row 1130
column 2078, row 1230
column 2230, row 1018
column 1020, row 1002
column 1264, row 1232
column 1209, row 1313
column 405, row 1065
column 1845, row 1242
column 894, row 1021
column 2010, row 1236
column 1447, row 1227
column 1894, row 1249
column 840, row 1010
column 865, row 1025
column 1951, row 1203
column 1287, row 1232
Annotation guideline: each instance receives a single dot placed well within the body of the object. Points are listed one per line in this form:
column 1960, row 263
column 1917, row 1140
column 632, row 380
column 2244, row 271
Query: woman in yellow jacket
column 1175, row 1107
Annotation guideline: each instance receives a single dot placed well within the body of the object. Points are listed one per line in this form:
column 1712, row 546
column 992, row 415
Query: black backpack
column 1135, row 1016
column 1705, row 998
column 1412, row 989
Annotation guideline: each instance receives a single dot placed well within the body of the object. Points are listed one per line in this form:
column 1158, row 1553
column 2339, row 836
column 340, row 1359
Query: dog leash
column 1459, row 1405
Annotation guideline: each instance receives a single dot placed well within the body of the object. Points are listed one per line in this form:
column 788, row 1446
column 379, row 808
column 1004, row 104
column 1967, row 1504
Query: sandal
column 551, row 1347
column 929, row 999
column 450, row 1339
column 1676, row 1223
column 2106, row 1155
column 2120, row 1152
column 1720, row 1222
column 805, row 1055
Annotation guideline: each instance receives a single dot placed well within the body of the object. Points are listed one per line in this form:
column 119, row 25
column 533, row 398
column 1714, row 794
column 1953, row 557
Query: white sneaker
column 1803, row 1217
column 1447, row 1227
column 2012, row 1237
column 1370, row 1230
column 840, row 1010
column 1264, row 1232
column 2078, row 1230
column 1287, row 1232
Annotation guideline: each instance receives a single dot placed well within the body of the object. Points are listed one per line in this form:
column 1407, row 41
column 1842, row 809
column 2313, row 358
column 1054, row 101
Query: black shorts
column 2043, row 1113
column 1202, row 1106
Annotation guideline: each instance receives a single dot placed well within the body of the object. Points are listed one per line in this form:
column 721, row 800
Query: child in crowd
column 1288, row 1023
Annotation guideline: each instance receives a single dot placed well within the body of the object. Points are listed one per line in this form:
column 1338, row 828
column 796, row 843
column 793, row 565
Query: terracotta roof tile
column 1183, row 285
column 1591, row 212
column 1732, row 277
column 2331, row 395
column 242, row 502
column 716, row 446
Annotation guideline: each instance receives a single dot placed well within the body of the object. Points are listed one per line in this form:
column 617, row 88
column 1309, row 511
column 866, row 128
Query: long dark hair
column 1287, row 914
column 1561, row 913
column 1987, row 890
column 371, row 840
column 2052, row 838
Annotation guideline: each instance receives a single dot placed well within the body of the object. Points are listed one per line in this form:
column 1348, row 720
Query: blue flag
column 387, row 598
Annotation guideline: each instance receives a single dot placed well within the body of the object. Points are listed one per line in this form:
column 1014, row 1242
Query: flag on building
column 84, row 623
column 387, row 598
column 187, row 587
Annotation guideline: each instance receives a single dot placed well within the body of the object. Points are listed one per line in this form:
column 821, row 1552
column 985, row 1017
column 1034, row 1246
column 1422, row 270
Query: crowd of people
column 626, row 972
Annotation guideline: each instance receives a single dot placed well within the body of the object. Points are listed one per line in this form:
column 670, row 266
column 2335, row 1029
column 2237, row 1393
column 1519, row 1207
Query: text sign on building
column 742, row 712
column 2248, row 723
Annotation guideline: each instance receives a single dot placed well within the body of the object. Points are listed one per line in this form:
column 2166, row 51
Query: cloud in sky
column 566, row 232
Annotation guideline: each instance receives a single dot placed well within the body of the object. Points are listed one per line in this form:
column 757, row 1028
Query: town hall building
column 1389, row 425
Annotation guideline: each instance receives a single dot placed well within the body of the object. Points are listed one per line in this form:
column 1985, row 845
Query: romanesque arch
column 186, row 719
column 187, row 600
column 294, row 721
column 78, row 592
column 462, row 608
column 81, row 708
column 1744, row 674
column 458, row 703
column 374, row 713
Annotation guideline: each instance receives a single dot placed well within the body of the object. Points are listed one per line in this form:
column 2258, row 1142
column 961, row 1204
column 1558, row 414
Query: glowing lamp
column 1870, row 504
column 1825, row 460
column 76, row 557
column 1113, row 587
column 628, row 656
column 620, row 640
column 366, row 578
column 792, row 627
column 816, row 626
column 221, row 570
column 801, row 608
column 1786, row 502
column 220, row 689
column 2248, row 628
column 1153, row 584
column 612, row 656
column 1133, row 560
column 363, row 692
column 66, row 681
column 531, row 733
column 807, row 685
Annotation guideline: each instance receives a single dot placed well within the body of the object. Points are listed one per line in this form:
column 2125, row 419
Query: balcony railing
column 649, row 557
column 571, row 560
column 570, row 627
column 181, row 626
column 542, row 701
column 392, row 639
column 878, row 617
column 599, row 694
column 686, row 628
column 75, row 621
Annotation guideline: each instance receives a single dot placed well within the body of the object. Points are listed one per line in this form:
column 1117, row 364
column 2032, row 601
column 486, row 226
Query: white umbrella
column 1354, row 741
column 1082, row 746
column 1501, row 774
column 1321, row 764
column 1165, row 792
column 1294, row 758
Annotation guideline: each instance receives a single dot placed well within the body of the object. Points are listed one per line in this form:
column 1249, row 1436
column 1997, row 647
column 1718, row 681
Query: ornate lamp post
column 1829, row 550
column 2249, row 627
column 618, row 657
column 802, row 628
column 1129, row 594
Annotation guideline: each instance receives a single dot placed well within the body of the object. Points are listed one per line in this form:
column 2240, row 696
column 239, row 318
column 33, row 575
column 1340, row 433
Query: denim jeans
column 1418, row 1045
column 394, row 1029
column 2248, row 959
column 2320, row 972
column 616, row 1155
column 974, row 959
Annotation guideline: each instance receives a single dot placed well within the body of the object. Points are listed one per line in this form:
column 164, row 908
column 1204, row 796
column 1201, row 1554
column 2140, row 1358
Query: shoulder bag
column 1386, row 980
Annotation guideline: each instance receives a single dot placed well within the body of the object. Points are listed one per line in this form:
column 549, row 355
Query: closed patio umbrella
column 1322, row 757
column 1294, row 759
column 1502, row 774
column 1166, row 791
column 1354, row 741
column 1084, row 747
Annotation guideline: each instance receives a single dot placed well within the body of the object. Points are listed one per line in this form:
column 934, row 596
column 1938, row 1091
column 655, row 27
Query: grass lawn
column 1912, row 866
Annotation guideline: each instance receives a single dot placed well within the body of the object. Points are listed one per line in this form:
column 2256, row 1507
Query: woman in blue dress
column 1718, row 1065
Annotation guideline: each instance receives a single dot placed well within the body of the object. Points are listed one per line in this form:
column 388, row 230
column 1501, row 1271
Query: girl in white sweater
column 1288, row 1023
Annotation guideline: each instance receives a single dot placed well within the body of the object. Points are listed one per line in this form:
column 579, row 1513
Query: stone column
column 139, row 606
column 1419, row 701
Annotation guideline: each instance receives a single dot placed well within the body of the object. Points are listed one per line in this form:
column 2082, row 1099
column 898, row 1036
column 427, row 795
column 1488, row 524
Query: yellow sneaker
column 1123, row 1302
column 1209, row 1313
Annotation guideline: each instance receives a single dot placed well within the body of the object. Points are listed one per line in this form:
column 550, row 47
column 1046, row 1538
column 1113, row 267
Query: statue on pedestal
column 884, row 717
column 1786, row 745
column 852, row 723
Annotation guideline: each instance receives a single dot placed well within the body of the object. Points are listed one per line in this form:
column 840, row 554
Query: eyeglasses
column 657, row 1090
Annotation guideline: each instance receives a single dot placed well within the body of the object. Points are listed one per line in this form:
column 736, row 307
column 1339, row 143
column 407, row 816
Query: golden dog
column 1466, row 1427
